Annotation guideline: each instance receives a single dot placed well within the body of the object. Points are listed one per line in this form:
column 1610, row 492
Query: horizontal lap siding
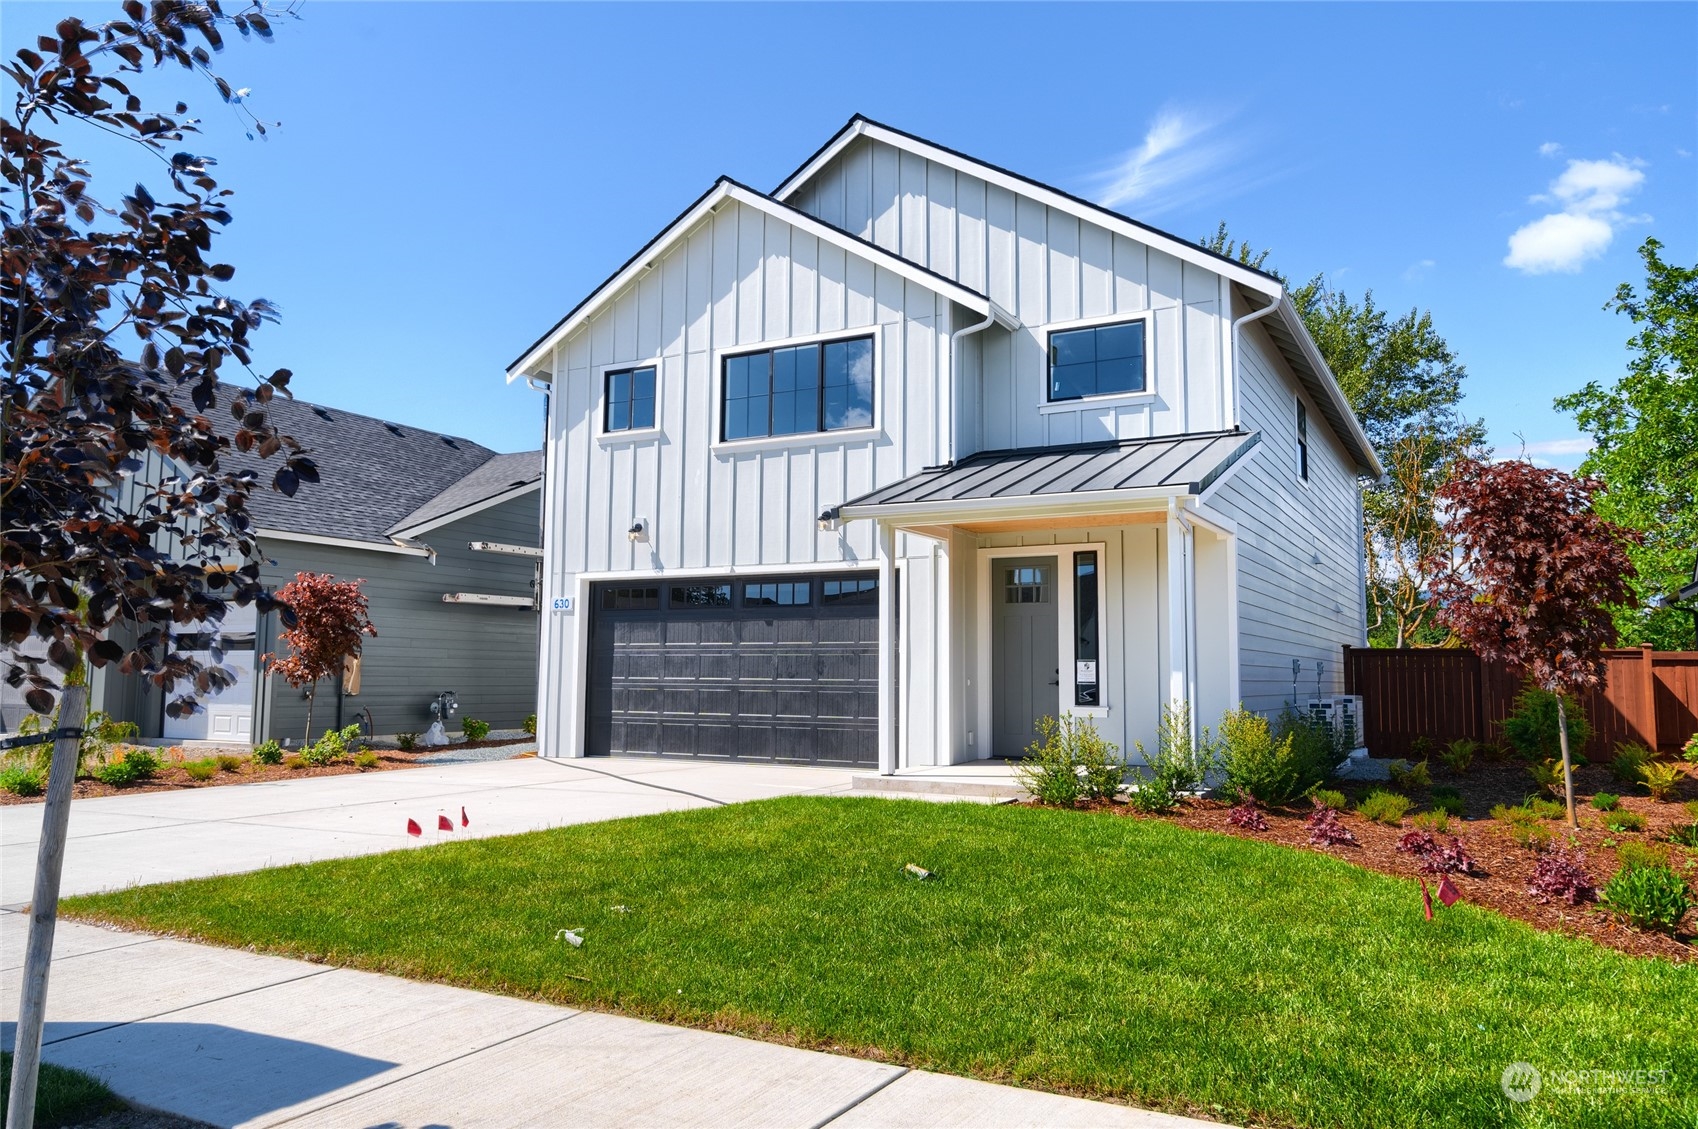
column 1290, row 607
column 486, row 655
column 1045, row 266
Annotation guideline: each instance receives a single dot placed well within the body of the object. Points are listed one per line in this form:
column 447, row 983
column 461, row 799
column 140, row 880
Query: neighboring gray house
column 883, row 465
column 399, row 507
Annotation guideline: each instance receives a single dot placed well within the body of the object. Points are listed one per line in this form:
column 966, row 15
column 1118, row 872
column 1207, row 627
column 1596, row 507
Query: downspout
column 947, row 415
column 1232, row 362
column 1188, row 579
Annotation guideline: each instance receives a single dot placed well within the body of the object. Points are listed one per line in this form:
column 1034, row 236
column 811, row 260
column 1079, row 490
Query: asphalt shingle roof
column 373, row 474
column 494, row 478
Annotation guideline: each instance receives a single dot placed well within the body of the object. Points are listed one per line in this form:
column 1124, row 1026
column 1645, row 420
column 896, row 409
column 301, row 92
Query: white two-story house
column 883, row 466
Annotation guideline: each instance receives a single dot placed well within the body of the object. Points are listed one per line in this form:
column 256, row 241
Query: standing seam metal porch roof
column 1191, row 462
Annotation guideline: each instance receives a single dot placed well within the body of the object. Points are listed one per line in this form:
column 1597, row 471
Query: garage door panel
column 766, row 682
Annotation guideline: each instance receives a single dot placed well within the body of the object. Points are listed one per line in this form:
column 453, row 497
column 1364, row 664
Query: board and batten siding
column 740, row 279
column 486, row 655
column 1047, row 267
column 1291, row 605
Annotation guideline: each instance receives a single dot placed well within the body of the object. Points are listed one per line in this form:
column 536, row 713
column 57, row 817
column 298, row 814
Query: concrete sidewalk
column 234, row 1038
column 118, row 841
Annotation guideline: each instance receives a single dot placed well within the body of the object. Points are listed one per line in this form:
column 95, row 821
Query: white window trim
column 1047, row 406
column 630, row 434
column 1066, row 653
column 874, row 330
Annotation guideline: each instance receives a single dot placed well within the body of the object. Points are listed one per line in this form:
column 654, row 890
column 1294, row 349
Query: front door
column 1025, row 670
column 224, row 715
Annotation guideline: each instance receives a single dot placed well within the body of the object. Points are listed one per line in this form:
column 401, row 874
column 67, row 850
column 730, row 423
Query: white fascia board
column 1293, row 319
column 1178, row 248
column 466, row 511
column 1079, row 504
column 340, row 542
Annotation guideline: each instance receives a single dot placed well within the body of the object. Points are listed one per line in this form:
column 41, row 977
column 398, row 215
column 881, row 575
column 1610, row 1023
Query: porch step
column 937, row 786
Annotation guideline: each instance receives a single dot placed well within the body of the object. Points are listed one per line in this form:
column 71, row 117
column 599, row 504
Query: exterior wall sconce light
column 639, row 530
column 828, row 519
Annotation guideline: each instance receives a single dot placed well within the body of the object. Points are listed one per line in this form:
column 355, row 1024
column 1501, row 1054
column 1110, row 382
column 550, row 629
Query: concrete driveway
column 118, row 841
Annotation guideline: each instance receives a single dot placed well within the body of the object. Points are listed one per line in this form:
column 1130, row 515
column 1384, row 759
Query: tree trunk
column 44, row 908
column 307, row 740
column 1567, row 764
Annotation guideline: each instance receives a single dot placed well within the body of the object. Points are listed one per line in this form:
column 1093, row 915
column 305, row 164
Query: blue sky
column 450, row 178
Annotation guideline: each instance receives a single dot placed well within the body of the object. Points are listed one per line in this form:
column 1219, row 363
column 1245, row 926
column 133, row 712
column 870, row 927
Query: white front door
column 227, row 715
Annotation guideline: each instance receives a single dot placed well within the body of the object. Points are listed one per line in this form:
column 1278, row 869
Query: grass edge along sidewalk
column 1115, row 958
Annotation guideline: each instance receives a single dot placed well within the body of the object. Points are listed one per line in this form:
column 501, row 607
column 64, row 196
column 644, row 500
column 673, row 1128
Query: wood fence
column 1647, row 696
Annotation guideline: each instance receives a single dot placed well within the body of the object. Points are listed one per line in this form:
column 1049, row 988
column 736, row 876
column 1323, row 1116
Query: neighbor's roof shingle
column 494, row 478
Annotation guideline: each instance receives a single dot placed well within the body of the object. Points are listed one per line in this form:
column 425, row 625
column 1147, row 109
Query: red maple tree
column 330, row 623
column 1533, row 576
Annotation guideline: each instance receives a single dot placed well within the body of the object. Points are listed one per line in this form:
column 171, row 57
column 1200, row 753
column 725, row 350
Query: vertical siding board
column 912, row 211
column 776, row 269
column 1002, row 255
column 723, row 330
column 1062, row 266
column 1031, row 229
column 1096, row 271
column 751, row 247
column 858, row 189
column 833, row 288
column 649, row 303
column 804, row 284
column 885, row 205
column 970, row 232
column 940, row 220
column 1131, row 276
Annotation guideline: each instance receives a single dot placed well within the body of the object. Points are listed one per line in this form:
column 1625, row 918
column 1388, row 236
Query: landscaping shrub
column 1637, row 852
column 1532, row 726
column 1691, row 807
column 1660, row 779
column 1179, row 764
column 332, row 746
column 1383, row 807
column 228, row 763
column 1315, row 746
column 1523, row 827
column 1448, row 800
column 1690, row 749
column 1328, row 798
column 1649, row 897
column 1547, row 775
column 23, row 779
column 529, row 725
column 1685, row 835
column 365, row 759
column 1436, row 858
column 1561, row 876
column 1545, row 809
column 1606, row 801
column 1247, row 816
column 1459, row 755
column 406, row 741
column 474, row 729
column 268, row 753
column 1327, row 830
column 1070, row 761
column 1630, row 757
column 1435, row 821
column 1410, row 777
column 1619, row 821
column 130, row 767
column 1421, row 747
column 293, row 762
column 1263, row 767
column 202, row 770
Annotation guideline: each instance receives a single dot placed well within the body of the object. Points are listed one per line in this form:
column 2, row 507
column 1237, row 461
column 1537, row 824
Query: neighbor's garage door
column 769, row 668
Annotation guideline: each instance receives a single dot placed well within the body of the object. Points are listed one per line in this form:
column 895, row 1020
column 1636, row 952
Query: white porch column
column 886, row 649
column 1181, row 592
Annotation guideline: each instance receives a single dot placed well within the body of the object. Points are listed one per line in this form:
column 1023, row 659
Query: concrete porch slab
column 985, row 780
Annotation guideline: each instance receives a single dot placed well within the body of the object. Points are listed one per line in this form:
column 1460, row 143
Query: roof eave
column 1077, row 504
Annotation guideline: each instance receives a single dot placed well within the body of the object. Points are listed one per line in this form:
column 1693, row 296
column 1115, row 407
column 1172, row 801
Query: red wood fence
column 1647, row 696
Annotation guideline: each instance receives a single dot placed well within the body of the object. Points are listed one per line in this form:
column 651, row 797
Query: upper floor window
column 1096, row 361
column 630, row 400
column 1302, row 441
column 826, row 386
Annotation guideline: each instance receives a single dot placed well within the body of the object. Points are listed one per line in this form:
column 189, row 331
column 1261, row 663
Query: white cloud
column 1589, row 196
column 1550, row 149
column 1576, row 446
column 1183, row 159
column 1417, row 271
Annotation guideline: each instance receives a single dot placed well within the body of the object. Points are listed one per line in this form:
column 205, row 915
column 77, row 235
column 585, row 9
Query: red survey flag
column 413, row 827
column 1448, row 893
column 443, row 823
column 1426, row 900
column 464, row 822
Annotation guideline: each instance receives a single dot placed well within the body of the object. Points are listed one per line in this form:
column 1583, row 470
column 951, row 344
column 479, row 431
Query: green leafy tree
column 1405, row 384
column 1645, row 431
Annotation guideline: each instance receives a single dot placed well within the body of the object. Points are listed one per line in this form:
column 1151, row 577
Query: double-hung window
column 1097, row 361
column 629, row 399
column 825, row 386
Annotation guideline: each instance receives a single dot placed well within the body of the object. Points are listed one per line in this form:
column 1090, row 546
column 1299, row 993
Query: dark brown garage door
column 737, row 668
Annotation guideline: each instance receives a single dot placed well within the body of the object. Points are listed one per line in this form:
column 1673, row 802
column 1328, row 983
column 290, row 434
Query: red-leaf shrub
column 1247, row 816
column 1327, row 830
column 330, row 624
column 1561, row 875
column 1435, row 857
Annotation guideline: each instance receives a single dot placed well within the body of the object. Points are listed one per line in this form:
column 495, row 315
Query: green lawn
column 62, row 1097
column 1089, row 954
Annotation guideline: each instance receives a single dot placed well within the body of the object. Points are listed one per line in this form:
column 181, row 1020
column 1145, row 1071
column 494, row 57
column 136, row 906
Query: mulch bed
column 172, row 778
column 1501, row 867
